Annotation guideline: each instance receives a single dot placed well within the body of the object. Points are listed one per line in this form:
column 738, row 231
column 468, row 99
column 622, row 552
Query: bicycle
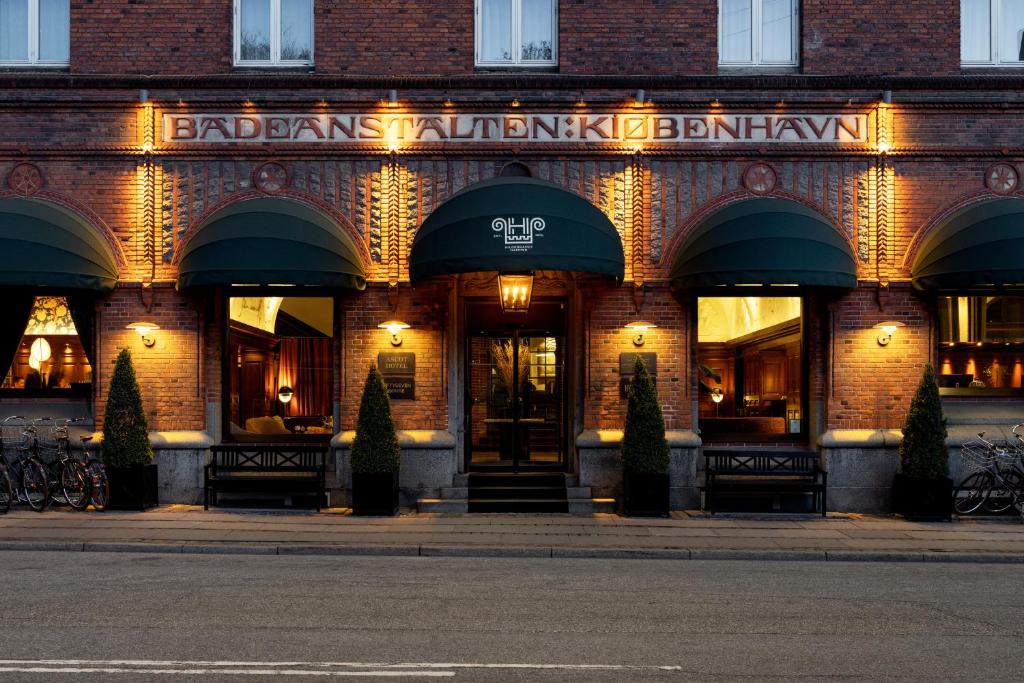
column 55, row 454
column 6, row 489
column 998, row 477
column 100, row 485
column 17, row 437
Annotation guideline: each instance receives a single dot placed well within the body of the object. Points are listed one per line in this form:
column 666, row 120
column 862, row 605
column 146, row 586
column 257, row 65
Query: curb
column 520, row 552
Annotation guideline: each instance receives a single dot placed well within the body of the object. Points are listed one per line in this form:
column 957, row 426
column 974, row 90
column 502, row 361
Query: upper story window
column 992, row 33
column 273, row 32
column 35, row 32
column 516, row 33
column 758, row 32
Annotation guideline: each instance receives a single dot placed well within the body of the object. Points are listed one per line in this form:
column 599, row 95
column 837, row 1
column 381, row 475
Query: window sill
column 8, row 67
column 767, row 70
column 521, row 68
column 991, row 69
column 283, row 68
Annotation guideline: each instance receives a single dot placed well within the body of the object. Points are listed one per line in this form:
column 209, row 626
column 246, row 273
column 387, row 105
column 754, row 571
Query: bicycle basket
column 977, row 456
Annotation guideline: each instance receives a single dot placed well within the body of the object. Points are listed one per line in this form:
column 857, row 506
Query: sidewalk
column 693, row 535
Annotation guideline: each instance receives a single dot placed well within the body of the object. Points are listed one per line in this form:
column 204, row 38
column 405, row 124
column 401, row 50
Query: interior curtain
column 14, row 311
column 83, row 313
column 305, row 366
column 975, row 30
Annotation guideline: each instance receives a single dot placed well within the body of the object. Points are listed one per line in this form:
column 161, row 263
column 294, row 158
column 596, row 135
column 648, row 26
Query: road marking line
column 222, row 671
column 396, row 668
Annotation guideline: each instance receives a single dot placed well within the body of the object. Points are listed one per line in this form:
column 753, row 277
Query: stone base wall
column 428, row 465
column 180, row 458
column 600, row 466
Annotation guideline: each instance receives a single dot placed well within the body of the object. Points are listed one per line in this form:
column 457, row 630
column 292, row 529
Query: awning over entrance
column 979, row 247
column 270, row 242
column 45, row 245
column 765, row 241
column 513, row 224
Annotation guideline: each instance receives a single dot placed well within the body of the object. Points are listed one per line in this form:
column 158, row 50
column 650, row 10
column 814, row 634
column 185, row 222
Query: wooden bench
column 265, row 468
column 760, row 472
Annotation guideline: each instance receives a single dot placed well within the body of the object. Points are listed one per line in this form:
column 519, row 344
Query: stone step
column 589, row 506
column 518, row 505
column 449, row 506
column 454, row 492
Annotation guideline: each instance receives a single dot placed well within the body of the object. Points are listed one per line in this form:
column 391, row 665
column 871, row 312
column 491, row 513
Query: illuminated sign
column 584, row 129
column 518, row 232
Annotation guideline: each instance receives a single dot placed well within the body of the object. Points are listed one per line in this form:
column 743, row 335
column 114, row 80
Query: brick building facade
column 154, row 130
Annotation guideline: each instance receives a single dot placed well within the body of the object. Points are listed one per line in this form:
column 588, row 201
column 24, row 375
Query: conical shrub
column 375, row 448
column 644, row 448
column 125, row 434
column 923, row 453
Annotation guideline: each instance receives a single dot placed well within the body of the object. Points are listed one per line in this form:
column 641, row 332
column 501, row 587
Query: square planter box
column 133, row 488
column 645, row 495
column 375, row 494
column 923, row 499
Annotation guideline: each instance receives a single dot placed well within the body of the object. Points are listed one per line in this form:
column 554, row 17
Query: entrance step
column 525, row 492
column 517, row 492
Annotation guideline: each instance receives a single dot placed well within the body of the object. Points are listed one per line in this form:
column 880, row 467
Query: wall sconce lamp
column 145, row 331
column 640, row 97
column 394, row 328
column 888, row 329
column 717, row 395
column 515, row 290
column 392, row 98
column 640, row 327
column 285, row 394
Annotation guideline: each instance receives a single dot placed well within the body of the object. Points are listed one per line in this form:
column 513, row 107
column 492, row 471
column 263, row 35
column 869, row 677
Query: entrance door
column 515, row 400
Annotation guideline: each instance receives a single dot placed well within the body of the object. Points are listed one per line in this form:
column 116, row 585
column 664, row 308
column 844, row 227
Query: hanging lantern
column 514, row 292
column 39, row 353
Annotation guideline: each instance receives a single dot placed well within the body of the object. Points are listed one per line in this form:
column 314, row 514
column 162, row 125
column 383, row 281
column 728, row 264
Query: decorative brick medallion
column 25, row 179
column 760, row 178
column 1001, row 178
column 271, row 177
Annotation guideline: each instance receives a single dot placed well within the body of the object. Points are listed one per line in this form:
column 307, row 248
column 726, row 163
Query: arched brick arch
column 288, row 194
column 941, row 216
column 700, row 215
column 90, row 217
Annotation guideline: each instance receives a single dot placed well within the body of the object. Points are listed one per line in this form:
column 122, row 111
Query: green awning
column 43, row 245
column 270, row 242
column 768, row 242
column 512, row 224
column 980, row 247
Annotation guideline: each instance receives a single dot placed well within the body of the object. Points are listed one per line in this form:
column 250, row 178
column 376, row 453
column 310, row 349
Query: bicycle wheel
column 6, row 491
column 75, row 483
column 34, row 486
column 1000, row 497
column 972, row 492
column 100, row 486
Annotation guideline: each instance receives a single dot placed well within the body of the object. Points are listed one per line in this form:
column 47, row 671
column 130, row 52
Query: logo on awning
column 518, row 233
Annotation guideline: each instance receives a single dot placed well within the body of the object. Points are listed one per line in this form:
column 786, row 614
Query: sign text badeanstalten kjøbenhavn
column 589, row 128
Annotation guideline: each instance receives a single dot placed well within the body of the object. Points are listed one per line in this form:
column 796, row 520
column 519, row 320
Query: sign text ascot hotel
column 594, row 128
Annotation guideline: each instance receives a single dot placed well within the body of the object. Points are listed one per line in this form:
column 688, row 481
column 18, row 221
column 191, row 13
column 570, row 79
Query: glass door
column 515, row 397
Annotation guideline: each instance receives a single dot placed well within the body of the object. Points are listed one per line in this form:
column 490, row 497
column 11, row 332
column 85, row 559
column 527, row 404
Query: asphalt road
column 136, row 617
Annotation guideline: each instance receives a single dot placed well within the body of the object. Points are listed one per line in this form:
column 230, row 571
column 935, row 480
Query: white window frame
column 994, row 13
column 517, row 43
column 757, row 36
column 33, row 42
column 275, row 38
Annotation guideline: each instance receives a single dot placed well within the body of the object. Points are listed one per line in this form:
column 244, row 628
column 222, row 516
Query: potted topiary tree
column 922, row 489
column 126, row 450
column 645, row 453
column 375, row 452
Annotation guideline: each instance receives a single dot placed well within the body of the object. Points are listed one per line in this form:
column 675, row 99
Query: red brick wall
column 871, row 385
column 607, row 310
column 873, row 37
column 424, row 308
column 170, row 373
column 597, row 36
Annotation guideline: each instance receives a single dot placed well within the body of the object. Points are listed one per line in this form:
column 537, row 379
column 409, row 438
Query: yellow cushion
column 266, row 425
